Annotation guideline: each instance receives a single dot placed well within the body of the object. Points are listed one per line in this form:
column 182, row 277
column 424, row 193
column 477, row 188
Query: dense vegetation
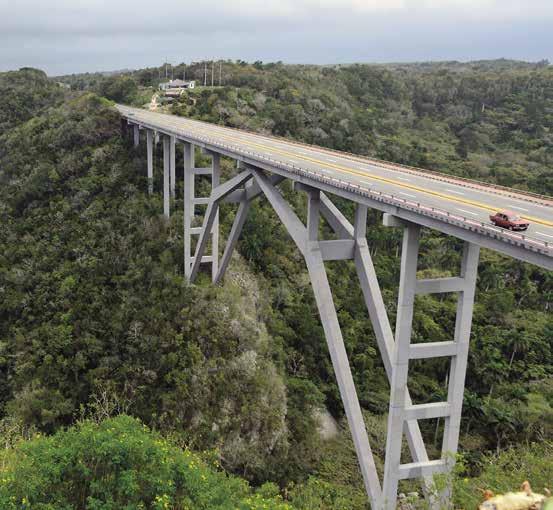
column 118, row 464
column 95, row 313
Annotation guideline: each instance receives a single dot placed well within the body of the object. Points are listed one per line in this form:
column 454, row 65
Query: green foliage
column 25, row 93
column 118, row 464
column 121, row 89
column 93, row 298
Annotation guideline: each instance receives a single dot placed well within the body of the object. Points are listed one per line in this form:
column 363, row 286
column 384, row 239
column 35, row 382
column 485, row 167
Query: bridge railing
column 430, row 174
column 519, row 239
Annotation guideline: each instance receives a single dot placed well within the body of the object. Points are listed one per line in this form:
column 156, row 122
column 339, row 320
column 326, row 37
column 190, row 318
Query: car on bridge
column 509, row 220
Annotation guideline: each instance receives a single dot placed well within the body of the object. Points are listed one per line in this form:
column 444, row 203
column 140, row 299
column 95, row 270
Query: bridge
column 410, row 199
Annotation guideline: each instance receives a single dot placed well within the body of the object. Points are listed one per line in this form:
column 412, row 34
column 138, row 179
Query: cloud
column 68, row 35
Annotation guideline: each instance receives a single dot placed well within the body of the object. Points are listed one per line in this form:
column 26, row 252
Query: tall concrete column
column 172, row 164
column 188, row 206
column 215, row 181
column 458, row 367
column 150, row 159
column 398, row 393
column 166, row 173
column 136, row 135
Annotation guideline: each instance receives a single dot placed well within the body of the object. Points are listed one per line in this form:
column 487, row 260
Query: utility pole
column 184, row 72
column 165, row 67
column 212, row 72
column 205, row 73
column 220, row 71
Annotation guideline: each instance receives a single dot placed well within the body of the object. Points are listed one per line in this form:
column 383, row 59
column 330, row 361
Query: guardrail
column 423, row 172
column 489, row 230
column 535, row 198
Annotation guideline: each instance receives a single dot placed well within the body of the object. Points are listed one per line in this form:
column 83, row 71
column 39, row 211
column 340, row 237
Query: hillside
column 94, row 307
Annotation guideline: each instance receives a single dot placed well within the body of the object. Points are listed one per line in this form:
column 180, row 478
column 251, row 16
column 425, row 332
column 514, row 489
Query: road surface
column 470, row 200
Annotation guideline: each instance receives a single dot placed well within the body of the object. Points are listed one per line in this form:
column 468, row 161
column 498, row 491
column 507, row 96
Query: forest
column 101, row 337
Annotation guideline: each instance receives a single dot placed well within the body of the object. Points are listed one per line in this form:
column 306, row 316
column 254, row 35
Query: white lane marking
column 407, row 194
column 454, row 191
column 468, row 212
column 542, row 234
column 403, row 179
column 518, row 208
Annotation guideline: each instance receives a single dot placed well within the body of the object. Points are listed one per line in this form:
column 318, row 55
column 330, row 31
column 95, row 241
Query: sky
column 71, row 36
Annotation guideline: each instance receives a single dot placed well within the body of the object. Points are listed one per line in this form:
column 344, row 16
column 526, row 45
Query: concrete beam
column 400, row 363
column 440, row 285
column 429, row 350
column 389, row 220
column 166, row 175
column 172, row 158
column 338, row 249
column 150, row 160
column 188, row 206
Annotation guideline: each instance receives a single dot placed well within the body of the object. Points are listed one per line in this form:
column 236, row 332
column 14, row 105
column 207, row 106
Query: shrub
column 118, row 464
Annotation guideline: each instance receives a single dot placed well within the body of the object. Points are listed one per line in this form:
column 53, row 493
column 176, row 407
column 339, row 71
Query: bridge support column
column 398, row 393
column 150, row 159
column 188, row 206
column 215, row 181
column 136, row 135
column 211, row 214
column 190, row 203
column 402, row 411
column 166, row 175
column 173, row 143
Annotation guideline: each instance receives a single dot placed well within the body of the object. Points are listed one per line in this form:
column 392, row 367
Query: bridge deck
column 465, row 203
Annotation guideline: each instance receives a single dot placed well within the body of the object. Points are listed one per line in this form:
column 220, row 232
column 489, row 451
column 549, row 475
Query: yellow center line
column 342, row 169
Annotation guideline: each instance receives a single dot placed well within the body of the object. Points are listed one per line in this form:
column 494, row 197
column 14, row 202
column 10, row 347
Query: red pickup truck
column 509, row 220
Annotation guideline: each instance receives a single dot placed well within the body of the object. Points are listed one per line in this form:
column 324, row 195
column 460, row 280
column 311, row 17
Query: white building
column 177, row 84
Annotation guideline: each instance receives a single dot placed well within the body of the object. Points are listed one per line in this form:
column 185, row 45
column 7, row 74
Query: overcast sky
column 65, row 36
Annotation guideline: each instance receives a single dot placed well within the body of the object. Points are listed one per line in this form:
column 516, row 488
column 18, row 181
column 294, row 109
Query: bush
column 118, row 464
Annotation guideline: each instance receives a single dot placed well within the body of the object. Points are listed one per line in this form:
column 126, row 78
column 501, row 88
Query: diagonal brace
column 376, row 308
column 218, row 194
column 307, row 242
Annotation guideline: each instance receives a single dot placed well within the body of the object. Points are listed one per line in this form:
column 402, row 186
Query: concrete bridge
column 410, row 199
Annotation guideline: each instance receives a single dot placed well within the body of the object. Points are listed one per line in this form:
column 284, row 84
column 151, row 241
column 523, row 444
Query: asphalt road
column 473, row 201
